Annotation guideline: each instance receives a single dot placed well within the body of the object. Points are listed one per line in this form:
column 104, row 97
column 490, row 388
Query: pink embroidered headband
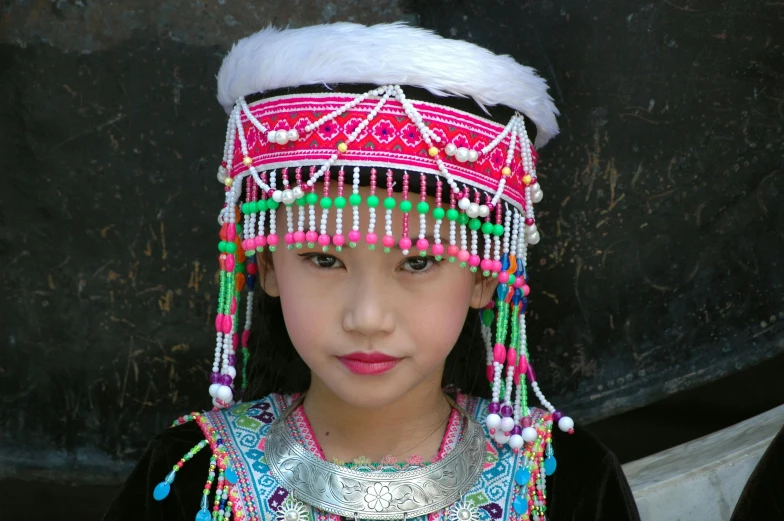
column 302, row 158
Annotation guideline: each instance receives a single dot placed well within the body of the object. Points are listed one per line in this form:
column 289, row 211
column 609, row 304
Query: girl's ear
column 268, row 280
column 483, row 290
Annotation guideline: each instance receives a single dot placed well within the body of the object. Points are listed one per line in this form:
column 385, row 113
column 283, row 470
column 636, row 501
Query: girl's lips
column 368, row 363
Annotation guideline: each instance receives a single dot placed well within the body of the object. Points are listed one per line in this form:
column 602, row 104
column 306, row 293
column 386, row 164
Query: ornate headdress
column 362, row 129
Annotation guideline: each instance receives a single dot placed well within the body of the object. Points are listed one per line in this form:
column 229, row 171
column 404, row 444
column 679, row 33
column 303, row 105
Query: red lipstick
column 368, row 363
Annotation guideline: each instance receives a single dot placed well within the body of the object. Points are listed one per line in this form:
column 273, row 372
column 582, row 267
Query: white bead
column 450, row 149
column 473, row 210
column 297, row 192
column 224, row 393
column 484, row 211
column 529, row 434
column 272, row 136
column 493, row 421
column 536, row 196
column 462, row 155
column 231, row 372
column 464, row 203
column 214, row 390
column 287, row 197
column 501, row 437
column 507, row 424
column 281, row 137
column 292, row 134
column 566, row 424
column 222, row 174
column 277, row 196
column 473, row 155
column 530, row 228
column 533, row 238
column 516, row 441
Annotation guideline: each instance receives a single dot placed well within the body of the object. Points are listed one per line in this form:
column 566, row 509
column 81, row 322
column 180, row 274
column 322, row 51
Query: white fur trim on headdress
column 384, row 54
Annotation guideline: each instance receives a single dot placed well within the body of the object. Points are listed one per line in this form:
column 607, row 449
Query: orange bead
column 222, row 233
column 239, row 281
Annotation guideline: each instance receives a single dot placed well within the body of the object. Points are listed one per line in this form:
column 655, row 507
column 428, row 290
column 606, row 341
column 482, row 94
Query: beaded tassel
column 355, row 200
column 263, row 206
column 452, row 215
column 405, row 208
column 272, row 204
column 389, row 204
column 438, row 214
column 299, row 235
column 311, row 198
column 326, row 204
column 289, row 237
column 372, row 201
column 340, row 203
column 422, row 208
column 474, row 224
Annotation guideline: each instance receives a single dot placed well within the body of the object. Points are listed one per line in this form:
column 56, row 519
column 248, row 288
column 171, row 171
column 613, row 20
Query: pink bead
column 230, row 263
column 452, row 250
column 289, row 238
column 299, row 236
column 438, row 250
column 245, row 245
column 526, row 290
column 355, row 236
column 235, row 341
column 511, row 356
column 497, row 266
column 231, row 233
column 459, row 195
column 233, row 305
column 338, row 240
column 503, row 277
column 227, row 324
column 260, row 241
column 490, row 305
column 522, row 367
column 272, row 239
column 519, row 282
column 219, row 322
column 323, row 239
column 405, row 243
column 489, row 372
column 245, row 337
column 463, row 255
column 529, row 221
column 252, row 268
column 499, row 353
column 388, row 241
column 311, row 236
column 486, row 264
column 474, row 260
column 422, row 244
column 370, row 238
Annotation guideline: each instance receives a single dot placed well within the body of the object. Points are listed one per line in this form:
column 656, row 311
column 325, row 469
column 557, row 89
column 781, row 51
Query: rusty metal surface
column 659, row 267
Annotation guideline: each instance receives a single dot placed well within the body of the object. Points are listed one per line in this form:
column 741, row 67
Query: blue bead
column 250, row 280
column 505, row 261
column 203, row 515
column 502, row 290
column 549, row 465
column 161, row 491
column 230, row 475
column 523, row 476
column 520, row 506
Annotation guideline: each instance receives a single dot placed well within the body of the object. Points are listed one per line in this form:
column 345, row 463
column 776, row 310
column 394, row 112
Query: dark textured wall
column 660, row 264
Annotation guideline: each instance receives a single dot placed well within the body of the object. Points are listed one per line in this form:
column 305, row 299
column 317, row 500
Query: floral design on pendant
column 292, row 510
column 463, row 511
column 378, row 497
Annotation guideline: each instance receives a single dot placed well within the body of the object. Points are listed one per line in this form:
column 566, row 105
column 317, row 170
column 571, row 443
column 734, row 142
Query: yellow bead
column 228, row 182
column 247, row 161
column 342, row 147
column 506, row 171
column 526, row 179
column 433, row 151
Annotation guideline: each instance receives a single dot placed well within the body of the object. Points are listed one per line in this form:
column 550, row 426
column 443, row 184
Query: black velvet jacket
column 589, row 484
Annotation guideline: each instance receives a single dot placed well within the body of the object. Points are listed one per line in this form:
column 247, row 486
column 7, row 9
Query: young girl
column 379, row 190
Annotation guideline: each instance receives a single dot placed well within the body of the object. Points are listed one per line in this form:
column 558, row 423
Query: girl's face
column 373, row 326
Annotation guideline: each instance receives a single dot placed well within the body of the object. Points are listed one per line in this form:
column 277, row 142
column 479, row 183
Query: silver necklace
column 375, row 495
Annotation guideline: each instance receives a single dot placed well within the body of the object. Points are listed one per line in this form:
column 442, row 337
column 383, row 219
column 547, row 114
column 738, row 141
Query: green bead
column 487, row 317
column 423, row 207
column 311, row 198
column 340, row 202
column 487, row 228
column 230, row 247
column 356, row 199
column 272, row 248
column 452, row 214
column 463, row 219
column 301, row 201
column 474, row 224
column 498, row 230
column 222, row 247
column 405, row 206
column 452, row 259
column 486, row 273
column 438, row 213
column 390, row 203
column 325, row 203
column 371, row 247
column 473, row 269
column 272, row 204
column 261, row 205
column 245, row 208
column 239, row 268
column 372, row 201
column 511, row 280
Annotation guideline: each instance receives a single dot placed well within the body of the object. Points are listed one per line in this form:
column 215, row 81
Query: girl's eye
column 323, row 261
column 418, row 264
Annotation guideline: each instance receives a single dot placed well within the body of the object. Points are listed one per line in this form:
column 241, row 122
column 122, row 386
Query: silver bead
column 450, row 149
column 473, row 155
column 292, row 134
column 462, row 155
column 281, row 137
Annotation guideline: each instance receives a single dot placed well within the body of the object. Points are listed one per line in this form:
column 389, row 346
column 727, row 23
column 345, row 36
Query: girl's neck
column 412, row 425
